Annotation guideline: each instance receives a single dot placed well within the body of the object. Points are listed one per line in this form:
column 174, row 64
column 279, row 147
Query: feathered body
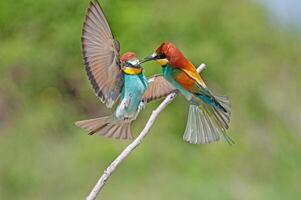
column 131, row 96
column 209, row 115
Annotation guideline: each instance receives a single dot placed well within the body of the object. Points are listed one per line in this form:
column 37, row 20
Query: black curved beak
column 149, row 58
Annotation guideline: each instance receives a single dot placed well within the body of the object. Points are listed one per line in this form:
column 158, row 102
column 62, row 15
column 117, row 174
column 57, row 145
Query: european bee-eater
column 112, row 76
column 209, row 115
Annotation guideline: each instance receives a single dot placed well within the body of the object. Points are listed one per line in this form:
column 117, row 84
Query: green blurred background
column 44, row 89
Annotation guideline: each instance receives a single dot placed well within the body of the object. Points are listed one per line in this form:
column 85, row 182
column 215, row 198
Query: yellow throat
column 162, row 62
column 132, row 71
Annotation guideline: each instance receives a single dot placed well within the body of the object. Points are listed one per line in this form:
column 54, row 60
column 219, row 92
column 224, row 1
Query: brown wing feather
column 158, row 87
column 101, row 55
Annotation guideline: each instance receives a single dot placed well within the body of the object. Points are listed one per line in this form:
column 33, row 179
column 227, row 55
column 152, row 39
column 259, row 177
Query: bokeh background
column 253, row 54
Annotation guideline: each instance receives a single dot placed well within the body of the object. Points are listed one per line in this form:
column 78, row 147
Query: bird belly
column 134, row 88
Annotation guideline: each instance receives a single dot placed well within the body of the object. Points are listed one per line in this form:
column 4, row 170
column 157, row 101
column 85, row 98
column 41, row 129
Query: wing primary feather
column 158, row 87
column 101, row 55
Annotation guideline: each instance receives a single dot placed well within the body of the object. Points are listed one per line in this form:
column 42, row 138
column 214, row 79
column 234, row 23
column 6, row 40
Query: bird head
column 129, row 59
column 165, row 53
column 130, row 63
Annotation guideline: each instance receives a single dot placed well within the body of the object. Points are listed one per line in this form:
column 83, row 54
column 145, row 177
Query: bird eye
column 127, row 64
column 161, row 56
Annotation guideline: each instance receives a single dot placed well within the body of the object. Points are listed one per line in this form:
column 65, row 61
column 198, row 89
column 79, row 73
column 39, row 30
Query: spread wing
column 158, row 87
column 101, row 55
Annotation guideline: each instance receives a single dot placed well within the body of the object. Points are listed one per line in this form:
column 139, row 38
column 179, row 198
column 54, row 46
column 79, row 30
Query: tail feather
column 192, row 127
column 224, row 101
column 199, row 129
column 206, row 123
column 212, row 133
column 108, row 131
column 107, row 127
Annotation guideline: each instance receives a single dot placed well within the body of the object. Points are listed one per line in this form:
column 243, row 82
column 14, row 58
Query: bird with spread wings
column 115, row 77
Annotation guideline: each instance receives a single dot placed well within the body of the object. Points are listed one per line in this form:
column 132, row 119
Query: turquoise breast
column 133, row 90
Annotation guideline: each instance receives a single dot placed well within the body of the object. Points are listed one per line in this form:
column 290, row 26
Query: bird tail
column 107, row 127
column 205, row 123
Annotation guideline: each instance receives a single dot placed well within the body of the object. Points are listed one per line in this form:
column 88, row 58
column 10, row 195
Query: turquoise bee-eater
column 114, row 77
column 209, row 115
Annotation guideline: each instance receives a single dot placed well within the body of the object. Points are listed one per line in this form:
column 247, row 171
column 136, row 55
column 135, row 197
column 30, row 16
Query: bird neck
column 132, row 71
column 165, row 65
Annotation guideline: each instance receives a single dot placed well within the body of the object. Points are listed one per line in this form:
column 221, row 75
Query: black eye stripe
column 128, row 64
column 161, row 56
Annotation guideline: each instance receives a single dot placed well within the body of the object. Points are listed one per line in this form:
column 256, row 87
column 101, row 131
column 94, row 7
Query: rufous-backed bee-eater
column 112, row 76
column 209, row 115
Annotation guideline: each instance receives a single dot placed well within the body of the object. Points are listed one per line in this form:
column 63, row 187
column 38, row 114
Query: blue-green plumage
column 118, row 124
column 132, row 92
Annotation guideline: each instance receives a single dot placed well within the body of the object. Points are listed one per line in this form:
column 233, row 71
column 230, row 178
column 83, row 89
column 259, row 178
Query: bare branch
column 201, row 67
column 125, row 153
column 107, row 173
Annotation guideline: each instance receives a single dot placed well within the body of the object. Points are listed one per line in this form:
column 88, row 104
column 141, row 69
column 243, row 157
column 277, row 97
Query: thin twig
column 125, row 153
